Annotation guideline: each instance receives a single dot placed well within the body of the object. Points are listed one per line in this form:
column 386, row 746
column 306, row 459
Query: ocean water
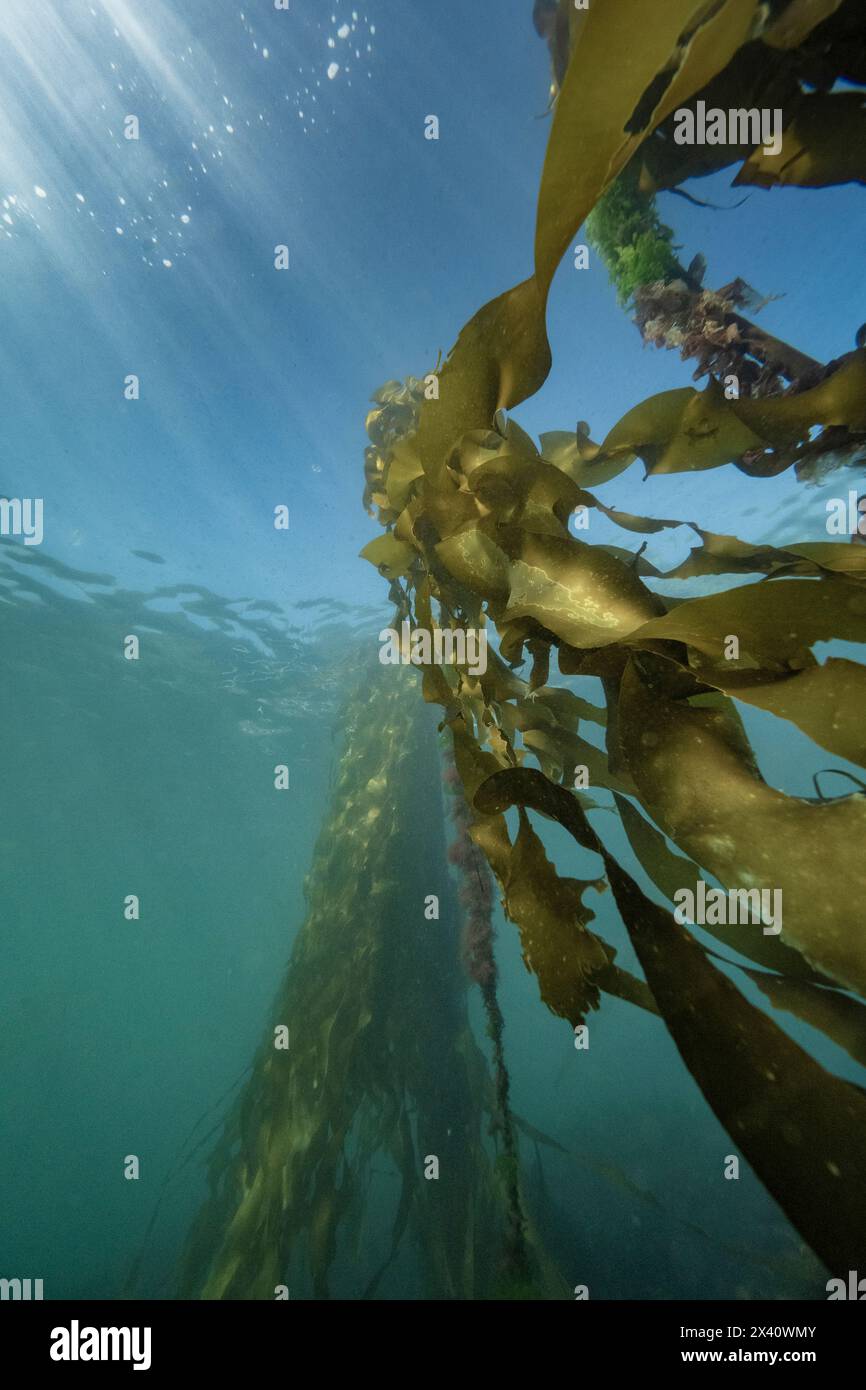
column 149, row 1036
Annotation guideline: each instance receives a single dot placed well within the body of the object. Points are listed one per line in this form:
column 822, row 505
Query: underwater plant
column 479, row 962
column 476, row 531
column 370, row 1060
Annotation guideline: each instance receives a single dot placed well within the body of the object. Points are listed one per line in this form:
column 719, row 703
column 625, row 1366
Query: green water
column 155, row 777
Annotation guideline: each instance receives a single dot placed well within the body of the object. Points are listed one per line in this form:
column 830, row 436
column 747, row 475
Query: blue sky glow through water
column 156, row 257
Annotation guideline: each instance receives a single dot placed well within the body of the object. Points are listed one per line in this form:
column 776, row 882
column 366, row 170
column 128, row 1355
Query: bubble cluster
column 204, row 105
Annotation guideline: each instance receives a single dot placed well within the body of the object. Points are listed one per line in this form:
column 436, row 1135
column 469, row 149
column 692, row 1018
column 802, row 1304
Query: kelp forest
column 387, row 1051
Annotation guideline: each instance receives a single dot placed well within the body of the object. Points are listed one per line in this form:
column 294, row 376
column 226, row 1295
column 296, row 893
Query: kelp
column 603, row 111
column 686, row 430
column 477, row 525
column 479, row 960
column 746, row 833
column 798, row 56
column 381, row 1061
column 823, row 143
column 801, row 1129
column 823, row 44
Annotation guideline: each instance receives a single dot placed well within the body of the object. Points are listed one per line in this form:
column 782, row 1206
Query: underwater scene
column 433, row 611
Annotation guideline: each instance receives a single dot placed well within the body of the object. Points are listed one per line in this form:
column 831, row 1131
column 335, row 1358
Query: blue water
column 155, row 258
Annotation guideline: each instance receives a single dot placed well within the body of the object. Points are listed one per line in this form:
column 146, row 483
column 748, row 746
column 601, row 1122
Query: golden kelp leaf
column 476, row 562
column 705, row 433
column 551, row 916
column 713, row 33
column 801, row 1129
column 575, row 455
column 634, row 561
column 720, row 554
column 824, row 144
column 698, row 787
column 841, row 557
column 591, row 139
column 404, row 526
column 523, row 786
column 566, row 708
column 776, row 622
column 490, row 834
column 623, row 985
column 564, row 751
column 797, row 21
column 837, row 1016
column 532, row 484
column 423, row 609
column 576, row 591
column 650, row 425
column 474, row 764
column 549, row 755
column 559, row 448
column 670, row 871
column 826, row 702
column 372, row 426
column 404, row 467
column 840, row 399
column 473, row 449
column 391, row 390
column 518, row 442
column 445, row 511
column 525, row 714
column 539, row 650
column 540, row 485
column 600, row 661
column 502, row 355
column 596, row 471
column 436, row 690
column 500, row 746
column 499, row 683
column 513, row 636
column 216, row 1286
column 512, row 481
column 687, row 430
column 646, row 525
column 390, row 556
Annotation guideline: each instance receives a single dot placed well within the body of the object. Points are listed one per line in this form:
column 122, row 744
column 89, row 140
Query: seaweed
column 476, row 519
column 380, row 1063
